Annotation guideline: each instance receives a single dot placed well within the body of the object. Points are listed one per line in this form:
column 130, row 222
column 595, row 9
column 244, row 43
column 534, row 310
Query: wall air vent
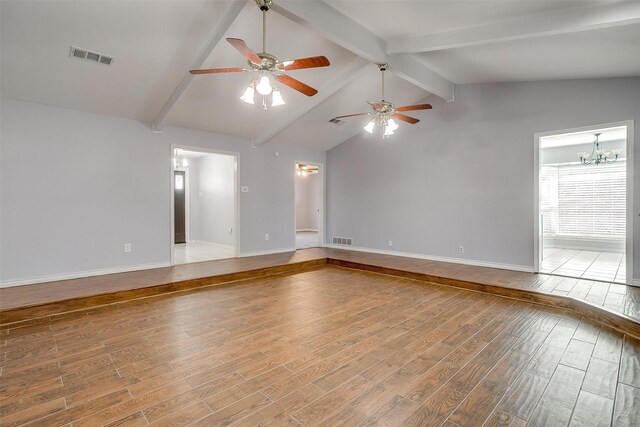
column 345, row 241
column 336, row 121
column 85, row 55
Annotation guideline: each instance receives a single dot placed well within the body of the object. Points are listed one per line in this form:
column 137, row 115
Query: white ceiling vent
column 86, row 55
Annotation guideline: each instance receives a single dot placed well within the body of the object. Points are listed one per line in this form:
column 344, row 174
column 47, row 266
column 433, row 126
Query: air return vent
column 336, row 121
column 89, row 56
column 346, row 241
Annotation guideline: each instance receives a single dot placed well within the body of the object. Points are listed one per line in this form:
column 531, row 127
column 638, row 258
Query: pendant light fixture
column 599, row 155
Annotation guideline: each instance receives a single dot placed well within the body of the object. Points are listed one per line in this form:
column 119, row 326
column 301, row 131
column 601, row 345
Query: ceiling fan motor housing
column 264, row 5
column 268, row 62
column 384, row 107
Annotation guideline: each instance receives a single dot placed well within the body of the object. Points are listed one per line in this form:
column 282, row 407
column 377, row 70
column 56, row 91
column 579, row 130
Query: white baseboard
column 218, row 245
column 266, row 252
column 512, row 267
column 308, row 229
column 81, row 274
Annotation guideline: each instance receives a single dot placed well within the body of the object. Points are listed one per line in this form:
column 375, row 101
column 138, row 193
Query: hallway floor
column 594, row 265
column 185, row 253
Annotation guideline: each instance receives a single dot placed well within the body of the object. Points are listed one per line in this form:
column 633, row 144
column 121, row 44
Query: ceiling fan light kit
column 384, row 113
column 268, row 68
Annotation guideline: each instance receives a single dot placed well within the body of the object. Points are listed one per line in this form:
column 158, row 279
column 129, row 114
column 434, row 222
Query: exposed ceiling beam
column 332, row 85
column 593, row 18
column 352, row 36
column 228, row 19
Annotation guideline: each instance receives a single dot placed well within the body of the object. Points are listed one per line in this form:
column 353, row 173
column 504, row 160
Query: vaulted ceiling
column 430, row 46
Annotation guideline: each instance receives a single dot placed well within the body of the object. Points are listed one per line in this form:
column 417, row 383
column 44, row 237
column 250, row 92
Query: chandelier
column 304, row 170
column 599, row 155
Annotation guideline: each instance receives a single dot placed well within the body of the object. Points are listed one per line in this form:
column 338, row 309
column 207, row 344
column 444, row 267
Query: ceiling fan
column 268, row 67
column 384, row 112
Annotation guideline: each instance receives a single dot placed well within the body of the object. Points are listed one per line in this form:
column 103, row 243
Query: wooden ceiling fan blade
column 415, row 107
column 351, row 115
column 404, row 118
column 296, row 84
column 301, row 63
column 218, row 70
column 245, row 50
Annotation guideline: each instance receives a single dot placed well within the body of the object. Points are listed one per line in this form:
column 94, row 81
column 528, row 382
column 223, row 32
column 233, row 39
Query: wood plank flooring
column 329, row 346
column 619, row 299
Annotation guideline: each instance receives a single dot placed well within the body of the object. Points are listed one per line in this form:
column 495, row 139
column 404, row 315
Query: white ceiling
column 407, row 18
column 154, row 43
column 608, row 52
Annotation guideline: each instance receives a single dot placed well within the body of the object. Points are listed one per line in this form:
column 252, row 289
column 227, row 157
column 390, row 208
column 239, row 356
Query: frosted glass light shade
column 248, row 95
column 277, row 98
column 264, row 86
column 392, row 125
column 369, row 127
column 388, row 131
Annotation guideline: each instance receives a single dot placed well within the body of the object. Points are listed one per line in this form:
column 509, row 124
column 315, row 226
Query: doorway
column 179, row 206
column 583, row 201
column 204, row 206
column 308, row 201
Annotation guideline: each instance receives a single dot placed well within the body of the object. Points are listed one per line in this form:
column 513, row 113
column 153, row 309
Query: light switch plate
column 244, row 188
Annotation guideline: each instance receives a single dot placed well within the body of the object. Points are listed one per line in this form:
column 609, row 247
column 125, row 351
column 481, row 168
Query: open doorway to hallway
column 204, row 206
column 308, row 205
column 584, row 198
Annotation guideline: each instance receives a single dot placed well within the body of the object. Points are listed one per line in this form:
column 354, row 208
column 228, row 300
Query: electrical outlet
column 127, row 247
column 460, row 249
column 266, row 236
column 390, row 243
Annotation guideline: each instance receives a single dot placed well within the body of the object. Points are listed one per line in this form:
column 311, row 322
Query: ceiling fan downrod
column 264, row 6
column 383, row 68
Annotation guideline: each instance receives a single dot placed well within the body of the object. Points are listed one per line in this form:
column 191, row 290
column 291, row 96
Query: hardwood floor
column 329, row 346
column 618, row 303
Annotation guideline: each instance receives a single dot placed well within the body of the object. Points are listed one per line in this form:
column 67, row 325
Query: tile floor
column 604, row 266
column 306, row 239
column 185, row 253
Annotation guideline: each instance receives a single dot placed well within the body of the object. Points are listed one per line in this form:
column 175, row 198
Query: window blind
column 584, row 201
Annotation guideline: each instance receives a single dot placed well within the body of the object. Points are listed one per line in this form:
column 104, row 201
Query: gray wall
column 307, row 194
column 214, row 200
column 464, row 174
column 76, row 186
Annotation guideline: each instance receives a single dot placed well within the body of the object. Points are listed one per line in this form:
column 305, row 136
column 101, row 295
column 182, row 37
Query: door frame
column 321, row 215
column 236, row 192
column 537, row 233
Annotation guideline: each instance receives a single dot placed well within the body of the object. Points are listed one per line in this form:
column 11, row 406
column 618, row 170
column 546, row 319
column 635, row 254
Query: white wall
column 464, row 174
column 193, row 206
column 307, row 195
column 76, row 186
column 214, row 199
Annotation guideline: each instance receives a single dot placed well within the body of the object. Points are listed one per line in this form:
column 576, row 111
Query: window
column 584, row 201
column 179, row 184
